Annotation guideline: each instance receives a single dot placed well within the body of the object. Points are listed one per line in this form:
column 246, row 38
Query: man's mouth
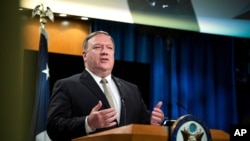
column 104, row 59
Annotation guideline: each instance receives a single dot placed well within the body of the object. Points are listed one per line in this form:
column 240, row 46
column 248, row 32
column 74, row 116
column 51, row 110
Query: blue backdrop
column 194, row 69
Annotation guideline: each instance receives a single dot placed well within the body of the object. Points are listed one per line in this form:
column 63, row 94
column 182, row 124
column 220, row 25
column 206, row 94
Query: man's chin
column 106, row 69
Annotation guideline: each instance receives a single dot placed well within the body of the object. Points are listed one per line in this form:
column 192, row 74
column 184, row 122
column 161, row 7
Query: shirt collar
column 97, row 78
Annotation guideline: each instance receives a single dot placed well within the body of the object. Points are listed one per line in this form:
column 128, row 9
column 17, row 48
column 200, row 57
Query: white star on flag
column 46, row 71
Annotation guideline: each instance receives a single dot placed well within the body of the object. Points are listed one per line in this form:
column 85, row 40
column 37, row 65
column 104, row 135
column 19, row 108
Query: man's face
column 99, row 57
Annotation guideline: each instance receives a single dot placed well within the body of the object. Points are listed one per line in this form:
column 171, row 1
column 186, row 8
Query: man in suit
column 78, row 105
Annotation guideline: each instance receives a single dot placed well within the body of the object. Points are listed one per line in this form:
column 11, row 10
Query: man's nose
column 104, row 52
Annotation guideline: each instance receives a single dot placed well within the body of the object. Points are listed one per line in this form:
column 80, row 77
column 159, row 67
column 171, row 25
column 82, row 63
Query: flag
column 39, row 119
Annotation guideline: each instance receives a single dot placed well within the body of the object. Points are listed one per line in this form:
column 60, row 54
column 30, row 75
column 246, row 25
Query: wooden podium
column 136, row 132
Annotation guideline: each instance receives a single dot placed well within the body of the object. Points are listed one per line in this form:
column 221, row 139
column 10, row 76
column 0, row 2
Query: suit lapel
column 87, row 80
column 123, row 100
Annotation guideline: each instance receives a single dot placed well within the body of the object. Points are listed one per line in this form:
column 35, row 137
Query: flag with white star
column 39, row 120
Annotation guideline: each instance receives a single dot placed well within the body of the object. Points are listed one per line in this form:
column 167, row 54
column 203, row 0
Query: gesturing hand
column 157, row 115
column 101, row 118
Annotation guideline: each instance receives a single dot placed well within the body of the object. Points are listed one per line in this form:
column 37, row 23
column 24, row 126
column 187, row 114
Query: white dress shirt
column 115, row 96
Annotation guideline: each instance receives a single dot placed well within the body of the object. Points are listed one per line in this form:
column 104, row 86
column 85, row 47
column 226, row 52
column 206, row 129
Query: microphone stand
column 169, row 107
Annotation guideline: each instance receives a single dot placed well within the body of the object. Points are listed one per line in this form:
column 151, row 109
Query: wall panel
column 65, row 35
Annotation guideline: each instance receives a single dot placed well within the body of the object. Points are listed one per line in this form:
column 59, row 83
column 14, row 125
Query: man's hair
column 85, row 42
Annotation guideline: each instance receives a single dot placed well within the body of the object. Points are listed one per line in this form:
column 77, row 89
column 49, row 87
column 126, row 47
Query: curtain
column 193, row 69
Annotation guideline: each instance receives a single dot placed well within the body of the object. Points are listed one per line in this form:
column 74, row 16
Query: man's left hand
column 157, row 115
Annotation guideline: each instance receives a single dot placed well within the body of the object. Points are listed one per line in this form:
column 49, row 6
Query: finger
column 98, row 106
column 156, row 121
column 159, row 104
column 157, row 115
column 157, row 110
column 110, row 124
column 107, row 111
column 111, row 119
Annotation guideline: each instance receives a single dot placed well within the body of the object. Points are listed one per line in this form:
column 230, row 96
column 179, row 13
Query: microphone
column 125, row 111
column 167, row 122
column 183, row 107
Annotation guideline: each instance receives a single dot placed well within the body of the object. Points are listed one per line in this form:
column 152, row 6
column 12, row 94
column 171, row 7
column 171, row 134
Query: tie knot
column 104, row 80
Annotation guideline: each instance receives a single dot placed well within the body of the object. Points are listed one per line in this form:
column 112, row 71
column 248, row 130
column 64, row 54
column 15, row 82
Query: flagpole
column 39, row 117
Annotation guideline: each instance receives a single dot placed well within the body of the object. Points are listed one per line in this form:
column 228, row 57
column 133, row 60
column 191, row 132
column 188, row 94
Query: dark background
column 242, row 78
column 62, row 65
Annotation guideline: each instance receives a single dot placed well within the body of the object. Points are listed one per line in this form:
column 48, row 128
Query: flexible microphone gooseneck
column 125, row 111
column 183, row 107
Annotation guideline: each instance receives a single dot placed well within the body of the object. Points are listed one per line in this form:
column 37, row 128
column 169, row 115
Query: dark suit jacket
column 74, row 97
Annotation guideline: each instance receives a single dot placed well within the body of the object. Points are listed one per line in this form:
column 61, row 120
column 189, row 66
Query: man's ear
column 84, row 54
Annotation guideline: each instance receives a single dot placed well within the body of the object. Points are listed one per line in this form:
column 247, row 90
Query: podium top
column 129, row 132
column 136, row 129
column 138, row 132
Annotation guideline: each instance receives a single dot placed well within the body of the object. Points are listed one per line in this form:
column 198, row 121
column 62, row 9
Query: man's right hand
column 101, row 118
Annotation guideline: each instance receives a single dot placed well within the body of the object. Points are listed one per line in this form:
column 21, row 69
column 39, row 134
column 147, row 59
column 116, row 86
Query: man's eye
column 96, row 47
column 110, row 47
